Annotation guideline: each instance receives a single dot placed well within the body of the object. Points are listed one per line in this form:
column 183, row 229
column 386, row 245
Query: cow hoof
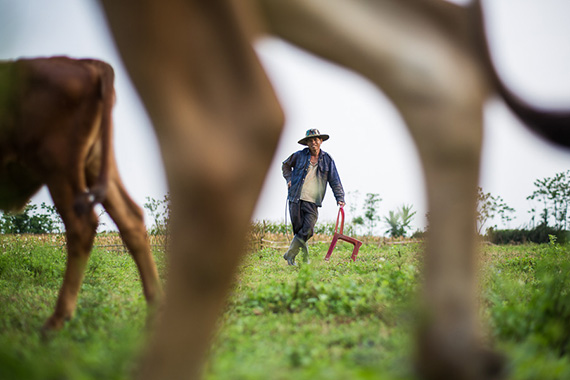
column 50, row 329
column 54, row 324
column 154, row 314
column 494, row 364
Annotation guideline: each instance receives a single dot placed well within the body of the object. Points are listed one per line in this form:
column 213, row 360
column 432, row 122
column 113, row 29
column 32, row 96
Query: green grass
column 100, row 342
column 325, row 320
column 333, row 320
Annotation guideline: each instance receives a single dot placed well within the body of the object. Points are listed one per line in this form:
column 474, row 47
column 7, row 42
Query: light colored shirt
column 313, row 189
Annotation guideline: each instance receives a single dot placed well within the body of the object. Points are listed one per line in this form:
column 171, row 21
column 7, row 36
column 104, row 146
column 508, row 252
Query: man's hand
column 341, row 204
column 289, row 184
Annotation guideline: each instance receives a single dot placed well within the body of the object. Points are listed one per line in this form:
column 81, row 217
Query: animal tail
column 97, row 192
column 107, row 93
column 554, row 125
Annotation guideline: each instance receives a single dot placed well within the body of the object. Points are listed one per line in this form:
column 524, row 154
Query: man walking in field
column 307, row 173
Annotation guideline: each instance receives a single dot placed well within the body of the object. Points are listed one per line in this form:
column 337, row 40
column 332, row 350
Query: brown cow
column 218, row 122
column 56, row 130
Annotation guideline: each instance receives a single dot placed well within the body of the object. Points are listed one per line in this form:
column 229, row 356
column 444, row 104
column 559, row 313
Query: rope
column 286, row 212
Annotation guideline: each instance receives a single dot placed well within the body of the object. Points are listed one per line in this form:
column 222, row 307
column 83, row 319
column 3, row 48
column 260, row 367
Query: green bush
column 33, row 219
column 539, row 235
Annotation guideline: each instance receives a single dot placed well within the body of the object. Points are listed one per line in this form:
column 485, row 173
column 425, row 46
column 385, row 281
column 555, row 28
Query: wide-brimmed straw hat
column 312, row 133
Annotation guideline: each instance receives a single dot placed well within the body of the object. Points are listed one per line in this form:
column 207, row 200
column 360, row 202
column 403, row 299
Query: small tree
column 32, row 220
column 369, row 217
column 357, row 223
column 554, row 195
column 371, row 211
column 489, row 207
column 353, row 201
column 399, row 221
column 160, row 212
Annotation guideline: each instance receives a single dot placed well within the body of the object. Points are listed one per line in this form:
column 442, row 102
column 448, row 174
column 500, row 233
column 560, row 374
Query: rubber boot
column 305, row 253
column 293, row 250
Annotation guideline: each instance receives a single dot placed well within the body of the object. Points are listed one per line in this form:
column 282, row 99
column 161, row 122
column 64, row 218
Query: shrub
column 539, row 234
column 33, row 219
column 160, row 212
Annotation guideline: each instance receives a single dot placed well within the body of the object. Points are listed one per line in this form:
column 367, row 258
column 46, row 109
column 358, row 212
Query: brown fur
column 55, row 130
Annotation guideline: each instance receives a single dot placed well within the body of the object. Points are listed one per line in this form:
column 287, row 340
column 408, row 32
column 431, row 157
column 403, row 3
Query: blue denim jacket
column 295, row 169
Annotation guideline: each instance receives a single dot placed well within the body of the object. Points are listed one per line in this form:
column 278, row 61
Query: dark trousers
column 304, row 216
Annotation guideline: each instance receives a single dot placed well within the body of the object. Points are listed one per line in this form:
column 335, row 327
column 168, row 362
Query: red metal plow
column 339, row 235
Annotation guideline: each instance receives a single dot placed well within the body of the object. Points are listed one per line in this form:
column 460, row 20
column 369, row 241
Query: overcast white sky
column 371, row 147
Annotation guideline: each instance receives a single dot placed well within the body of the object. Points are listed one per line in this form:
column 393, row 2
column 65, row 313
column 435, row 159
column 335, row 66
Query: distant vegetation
column 549, row 216
column 34, row 219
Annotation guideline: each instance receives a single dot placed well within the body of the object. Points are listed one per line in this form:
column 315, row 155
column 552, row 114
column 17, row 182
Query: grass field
column 325, row 320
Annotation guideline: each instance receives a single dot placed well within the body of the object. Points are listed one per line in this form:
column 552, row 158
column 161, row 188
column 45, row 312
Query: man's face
column 314, row 144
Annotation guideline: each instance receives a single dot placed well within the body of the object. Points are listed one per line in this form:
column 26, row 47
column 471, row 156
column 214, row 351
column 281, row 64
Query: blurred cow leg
column 218, row 123
column 420, row 54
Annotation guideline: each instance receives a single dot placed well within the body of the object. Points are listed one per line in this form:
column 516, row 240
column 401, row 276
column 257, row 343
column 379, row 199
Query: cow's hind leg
column 129, row 219
column 80, row 232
